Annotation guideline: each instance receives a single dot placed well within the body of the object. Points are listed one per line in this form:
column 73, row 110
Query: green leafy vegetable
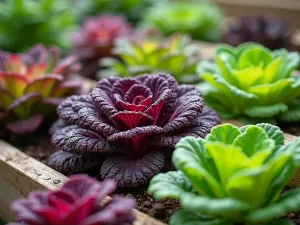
column 132, row 9
column 24, row 23
column 232, row 176
column 175, row 55
column 253, row 82
column 199, row 20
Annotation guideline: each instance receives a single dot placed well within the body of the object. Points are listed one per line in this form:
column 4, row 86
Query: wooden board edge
column 21, row 174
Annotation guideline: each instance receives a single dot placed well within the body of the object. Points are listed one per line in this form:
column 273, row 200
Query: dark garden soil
column 39, row 147
column 291, row 128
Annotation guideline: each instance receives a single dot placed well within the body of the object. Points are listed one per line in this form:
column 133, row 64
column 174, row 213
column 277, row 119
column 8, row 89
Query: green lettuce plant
column 233, row 176
column 24, row 23
column 200, row 20
column 175, row 55
column 252, row 82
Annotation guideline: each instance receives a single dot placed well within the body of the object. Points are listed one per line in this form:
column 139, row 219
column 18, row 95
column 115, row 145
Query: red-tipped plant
column 32, row 85
column 77, row 202
column 96, row 39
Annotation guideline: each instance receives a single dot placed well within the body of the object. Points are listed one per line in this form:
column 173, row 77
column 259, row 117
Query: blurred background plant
column 24, row 23
column 201, row 19
column 269, row 31
column 132, row 9
column 175, row 55
column 96, row 39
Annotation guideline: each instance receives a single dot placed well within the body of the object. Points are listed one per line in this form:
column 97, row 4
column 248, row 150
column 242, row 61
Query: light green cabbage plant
column 252, row 81
column 175, row 55
column 232, row 176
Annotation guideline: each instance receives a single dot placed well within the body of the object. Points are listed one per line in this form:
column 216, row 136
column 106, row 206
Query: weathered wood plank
column 21, row 174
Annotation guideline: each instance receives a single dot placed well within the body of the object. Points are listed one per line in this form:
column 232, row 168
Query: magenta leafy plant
column 32, row 85
column 96, row 39
column 128, row 127
column 77, row 202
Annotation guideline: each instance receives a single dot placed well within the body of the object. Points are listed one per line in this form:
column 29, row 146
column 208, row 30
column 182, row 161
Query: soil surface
column 39, row 147
column 291, row 128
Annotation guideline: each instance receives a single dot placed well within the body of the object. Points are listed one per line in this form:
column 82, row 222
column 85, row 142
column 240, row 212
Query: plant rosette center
column 128, row 127
column 232, row 176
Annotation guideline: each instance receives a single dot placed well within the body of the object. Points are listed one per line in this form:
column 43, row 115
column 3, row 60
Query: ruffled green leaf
column 272, row 131
column 273, row 93
column 271, row 71
column 217, row 102
column 248, row 77
column 266, row 111
column 256, row 56
column 190, row 158
column 184, row 217
column 241, row 185
column 213, row 207
column 207, row 67
column 254, row 139
column 287, row 203
column 169, row 185
column 225, row 133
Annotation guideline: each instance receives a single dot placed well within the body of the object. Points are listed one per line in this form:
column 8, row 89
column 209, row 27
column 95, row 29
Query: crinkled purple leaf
column 122, row 86
column 28, row 125
column 132, row 172
column 188, row 108
column 136, row 90
column 65, row 110
column 104, row 102
column 199, row 129
column 210, row 116
column 75, row 139
column 88, row 116
column 71, row 163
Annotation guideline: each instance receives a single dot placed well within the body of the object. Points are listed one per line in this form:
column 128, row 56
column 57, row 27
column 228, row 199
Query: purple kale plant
column 128, row 127
column 77, row 202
